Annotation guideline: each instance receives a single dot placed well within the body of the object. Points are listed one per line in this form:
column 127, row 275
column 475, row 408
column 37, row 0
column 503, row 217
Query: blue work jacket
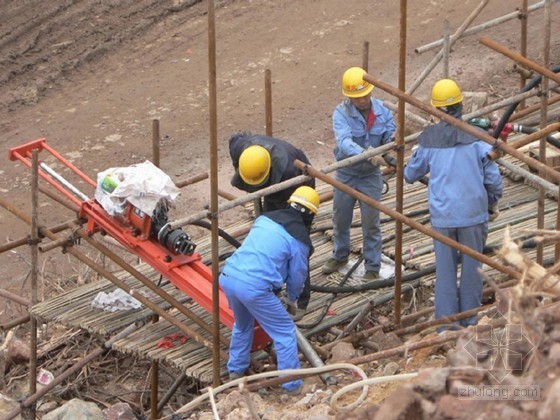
column 270, row 257
column 353, row 136
column 464, row 182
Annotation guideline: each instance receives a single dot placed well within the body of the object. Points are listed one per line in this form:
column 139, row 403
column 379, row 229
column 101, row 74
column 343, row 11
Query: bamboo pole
column 463, row 126
column 533, row 108
column 523, row 15
column 155, row 142
column 191, row 180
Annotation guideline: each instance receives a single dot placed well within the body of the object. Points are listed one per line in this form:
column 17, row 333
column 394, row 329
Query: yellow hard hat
column 446, row 92
column 307, row 197
column 353, row 84
column 254, row 164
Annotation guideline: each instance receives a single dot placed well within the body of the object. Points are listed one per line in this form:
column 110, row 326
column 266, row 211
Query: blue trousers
column 343, row 211
column 450, row 298
column 252, row 299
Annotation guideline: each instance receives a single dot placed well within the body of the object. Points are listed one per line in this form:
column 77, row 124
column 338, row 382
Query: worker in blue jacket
column 360, row 122
column 464, row 189
column 275, row 253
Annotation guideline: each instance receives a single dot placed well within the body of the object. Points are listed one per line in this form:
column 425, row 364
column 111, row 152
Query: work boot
column 371, row 275
column 300, row 313
column 233, row 376
column 333, row 265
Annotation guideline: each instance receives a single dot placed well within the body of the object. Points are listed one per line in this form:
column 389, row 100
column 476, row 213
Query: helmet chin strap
column 300, row 208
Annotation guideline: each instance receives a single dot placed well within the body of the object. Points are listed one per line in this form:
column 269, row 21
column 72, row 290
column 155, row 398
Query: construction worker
column 463, row 193
column 275, row 252
column 359, row 123
column 261, row 161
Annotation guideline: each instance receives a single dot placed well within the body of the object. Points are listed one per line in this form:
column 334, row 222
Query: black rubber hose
column 529, row 130
column 377, row 284
column 505, row 118
column 221, row 232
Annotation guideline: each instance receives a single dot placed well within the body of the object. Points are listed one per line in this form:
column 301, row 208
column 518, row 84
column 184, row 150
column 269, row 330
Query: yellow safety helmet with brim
column 446, row 92
column 254, row 164
column 353, row 83
column 307, row 197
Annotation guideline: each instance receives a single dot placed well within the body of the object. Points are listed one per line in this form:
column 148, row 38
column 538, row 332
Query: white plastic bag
column 143, row 185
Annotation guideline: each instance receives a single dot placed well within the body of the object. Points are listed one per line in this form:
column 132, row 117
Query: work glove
column 291, row 307
column 493, row 212
column 377, row 160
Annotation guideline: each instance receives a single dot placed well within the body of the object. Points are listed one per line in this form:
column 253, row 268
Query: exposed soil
column 91, row 76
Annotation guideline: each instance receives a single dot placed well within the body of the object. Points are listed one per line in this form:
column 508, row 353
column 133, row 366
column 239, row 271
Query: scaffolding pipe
column 365, row 56
column 452, row 41
column 410, row 222
column 481, row 27
column 213, row 108
column 14, row 297
column 32, row 399
column 484, row 40
column 34, row 274
column 268, row 101
column 464, row 126
column 523, row 16
column 155, row 142
column 399, row 138
column 191, row 180
column 533, row 108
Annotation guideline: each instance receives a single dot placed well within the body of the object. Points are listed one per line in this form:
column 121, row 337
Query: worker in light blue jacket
column 464, row 189
column 359, row 123
column 275, row 252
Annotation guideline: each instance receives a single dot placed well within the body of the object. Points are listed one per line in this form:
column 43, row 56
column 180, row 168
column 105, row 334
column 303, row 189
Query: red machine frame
column 186, row 272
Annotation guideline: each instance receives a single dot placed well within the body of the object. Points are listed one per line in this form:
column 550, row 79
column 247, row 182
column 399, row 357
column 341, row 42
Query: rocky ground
column 91, row 76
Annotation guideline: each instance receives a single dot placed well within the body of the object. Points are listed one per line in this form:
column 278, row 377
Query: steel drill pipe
column 479, row 134
column 484, row 40
column 115, row 280
column 410, row 222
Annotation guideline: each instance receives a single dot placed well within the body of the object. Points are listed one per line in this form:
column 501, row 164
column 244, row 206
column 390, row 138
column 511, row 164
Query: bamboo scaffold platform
column 73, row 309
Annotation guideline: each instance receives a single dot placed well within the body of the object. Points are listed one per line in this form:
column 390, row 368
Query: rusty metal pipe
column 484, row 40
column 410, row 222
column 191, row 180
column 14, row 297
column 26, row 240
column 479, row 134
column 268, row 101
column 533, row 108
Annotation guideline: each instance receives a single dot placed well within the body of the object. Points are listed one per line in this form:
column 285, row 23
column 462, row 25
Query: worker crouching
column 275, row 252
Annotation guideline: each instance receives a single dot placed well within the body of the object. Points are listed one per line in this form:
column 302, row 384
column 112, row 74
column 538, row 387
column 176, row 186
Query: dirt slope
column 90, row 76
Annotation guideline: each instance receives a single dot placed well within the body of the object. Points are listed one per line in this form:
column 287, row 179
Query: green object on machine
column 108, row 184
column 484, row 123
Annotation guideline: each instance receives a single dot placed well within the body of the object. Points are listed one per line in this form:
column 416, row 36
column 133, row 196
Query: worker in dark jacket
column 463, row 193
column 275, row 252
column 261, row 161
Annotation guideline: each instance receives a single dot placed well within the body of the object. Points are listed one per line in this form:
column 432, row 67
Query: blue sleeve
column 343, row 135
column 298, row 267
column 418, row 165
column 492, row 179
